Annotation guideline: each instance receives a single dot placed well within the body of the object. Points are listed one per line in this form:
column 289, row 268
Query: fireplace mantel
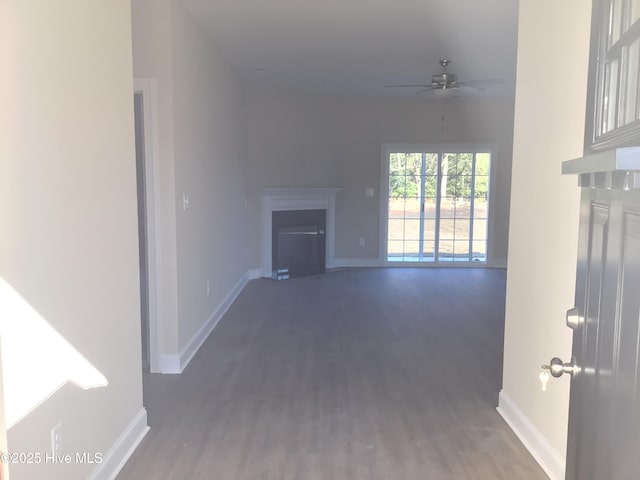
column 312, row 198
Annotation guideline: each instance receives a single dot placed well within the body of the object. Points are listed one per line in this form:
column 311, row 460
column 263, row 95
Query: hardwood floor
column 355, row 374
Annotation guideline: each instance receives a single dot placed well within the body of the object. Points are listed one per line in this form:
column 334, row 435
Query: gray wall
column 69, row 242
column 298, row 140
column 200, row 154
column 211, row 235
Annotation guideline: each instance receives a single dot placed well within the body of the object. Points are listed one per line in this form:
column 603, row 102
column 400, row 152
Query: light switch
column 185, row 201
column 369, row 192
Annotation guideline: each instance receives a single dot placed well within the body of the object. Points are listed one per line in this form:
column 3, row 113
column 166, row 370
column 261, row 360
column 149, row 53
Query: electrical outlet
column 208, row 288
column 56, row 439
column 368, row 192
column 362, row 241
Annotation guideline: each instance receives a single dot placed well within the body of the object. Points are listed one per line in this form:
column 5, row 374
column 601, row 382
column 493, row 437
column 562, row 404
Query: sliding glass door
column 437, row 206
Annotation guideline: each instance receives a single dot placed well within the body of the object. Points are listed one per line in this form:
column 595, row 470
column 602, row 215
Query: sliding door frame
column 440, row 149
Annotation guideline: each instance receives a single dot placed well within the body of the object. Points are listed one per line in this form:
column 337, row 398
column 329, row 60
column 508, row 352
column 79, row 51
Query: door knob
column 557, row 367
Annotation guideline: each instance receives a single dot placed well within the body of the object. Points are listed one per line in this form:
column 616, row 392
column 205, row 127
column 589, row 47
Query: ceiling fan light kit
column 444, row 80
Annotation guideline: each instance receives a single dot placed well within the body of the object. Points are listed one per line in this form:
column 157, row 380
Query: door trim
column 147, row 88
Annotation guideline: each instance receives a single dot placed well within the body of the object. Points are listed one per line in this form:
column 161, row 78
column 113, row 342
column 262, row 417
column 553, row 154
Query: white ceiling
column 355, row 47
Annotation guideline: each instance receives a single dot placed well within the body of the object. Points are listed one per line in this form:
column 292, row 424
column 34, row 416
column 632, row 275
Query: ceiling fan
column 446, row 82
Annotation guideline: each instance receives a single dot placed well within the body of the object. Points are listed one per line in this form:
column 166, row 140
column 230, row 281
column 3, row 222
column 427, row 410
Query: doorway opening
column 144, row 122
column 142, row 229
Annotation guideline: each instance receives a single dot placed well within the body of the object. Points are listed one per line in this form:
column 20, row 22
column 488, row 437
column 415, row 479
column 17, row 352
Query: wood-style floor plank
column 356, row 374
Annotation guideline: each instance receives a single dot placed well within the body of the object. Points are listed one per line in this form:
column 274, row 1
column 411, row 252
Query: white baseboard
column 255, row 273
column 376, row 262
column 502, row 263
column 168, row 363
column 551, row 462
column 194, row 344
column 122, row 449
column 356, row 262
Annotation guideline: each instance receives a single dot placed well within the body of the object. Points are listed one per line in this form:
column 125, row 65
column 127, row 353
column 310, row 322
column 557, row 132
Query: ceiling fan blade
column 425, row 90
column 406, row 86
column 443, row 93
column 487, row 82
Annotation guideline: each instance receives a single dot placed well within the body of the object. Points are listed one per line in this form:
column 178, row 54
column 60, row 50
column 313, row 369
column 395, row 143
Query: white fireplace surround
column 279, row 199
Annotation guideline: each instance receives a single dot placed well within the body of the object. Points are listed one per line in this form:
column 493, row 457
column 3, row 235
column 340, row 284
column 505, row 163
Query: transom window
column 437, row 205
column 615, row 79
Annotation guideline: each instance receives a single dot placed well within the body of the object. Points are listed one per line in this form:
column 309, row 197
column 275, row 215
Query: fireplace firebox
column 298, row 243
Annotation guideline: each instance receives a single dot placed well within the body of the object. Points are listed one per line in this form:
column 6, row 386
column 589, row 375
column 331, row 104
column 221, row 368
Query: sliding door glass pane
column 449, row 171
column 461, row 251
column 396, row 229
column 447, row 228
column 431, row 164
column 397, row 164
column 431, row 186
column 465, row 164
column 397, row 187
column 463, row 186
column 403, row 211
column 481, row 188
column 480, row 207
column 428, row 251
column 482, row 163
column 412, row 229
column 396, row 212
column 411, row 189
column 412, row 207
column 429, row 229
column 411, row 250
column 479, row 253
column 479, row 229
column 462, row 229
column 481, row 197
column 430, row 205
column 395, row 250
column 449, row 163
column 396, row 208
column 458, row 206
column 445, row 252
column 463, row 207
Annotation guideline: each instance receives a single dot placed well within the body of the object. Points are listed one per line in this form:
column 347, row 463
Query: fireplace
column 297, row 243
column 303, row 233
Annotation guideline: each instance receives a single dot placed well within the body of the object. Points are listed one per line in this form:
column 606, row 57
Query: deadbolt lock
column 574, row 318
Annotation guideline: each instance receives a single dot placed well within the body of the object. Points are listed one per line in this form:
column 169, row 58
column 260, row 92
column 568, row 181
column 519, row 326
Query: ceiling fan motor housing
column 444, row 80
